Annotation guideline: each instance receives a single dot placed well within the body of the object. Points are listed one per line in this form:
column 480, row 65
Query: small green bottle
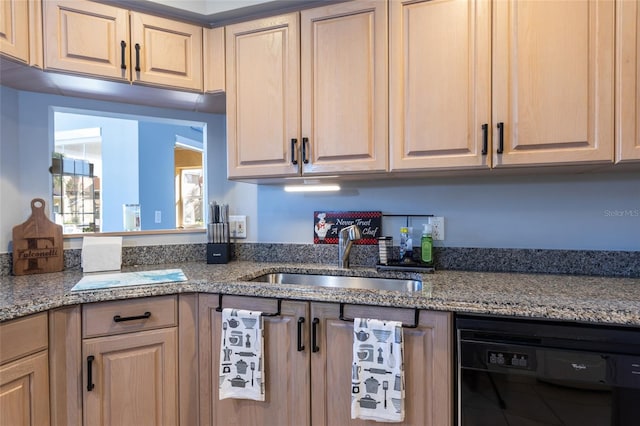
column 426, row 244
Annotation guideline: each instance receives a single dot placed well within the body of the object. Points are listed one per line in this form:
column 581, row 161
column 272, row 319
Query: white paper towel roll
column 101, row 254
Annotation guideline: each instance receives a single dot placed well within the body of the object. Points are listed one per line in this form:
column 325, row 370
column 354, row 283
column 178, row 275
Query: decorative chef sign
column 37, row 243
column 327, row 225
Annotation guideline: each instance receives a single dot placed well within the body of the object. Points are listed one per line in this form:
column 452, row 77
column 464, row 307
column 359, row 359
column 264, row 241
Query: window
column 102, row 161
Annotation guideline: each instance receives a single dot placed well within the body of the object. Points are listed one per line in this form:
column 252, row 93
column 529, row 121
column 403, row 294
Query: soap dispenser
column 426, row 244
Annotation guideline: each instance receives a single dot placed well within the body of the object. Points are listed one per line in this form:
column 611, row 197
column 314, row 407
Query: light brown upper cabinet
column 263, row 96
column 553, row 70
column 344, row 88
column 440, row 84
column 21, row 31
column 551, row 92
column 214, row 71
column 628, row 82
column 105, row 41
column 166, row 52
column 87, row 38
column 14, row 29
column 307, row 93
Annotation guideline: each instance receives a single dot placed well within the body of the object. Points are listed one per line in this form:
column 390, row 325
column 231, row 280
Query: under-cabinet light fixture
column 312, row 188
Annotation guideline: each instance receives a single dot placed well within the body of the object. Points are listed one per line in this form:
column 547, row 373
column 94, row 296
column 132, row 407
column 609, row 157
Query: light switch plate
column 238, row 226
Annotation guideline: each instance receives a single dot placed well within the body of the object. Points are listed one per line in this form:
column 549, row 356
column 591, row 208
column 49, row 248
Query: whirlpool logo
column 579, row 367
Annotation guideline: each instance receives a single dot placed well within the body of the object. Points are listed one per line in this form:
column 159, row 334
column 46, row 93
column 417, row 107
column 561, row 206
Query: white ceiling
column 209, row 7
column 217, row 12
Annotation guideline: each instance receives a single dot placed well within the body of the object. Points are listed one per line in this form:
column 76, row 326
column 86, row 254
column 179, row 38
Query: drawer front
column 127, row 316
column 23, row 336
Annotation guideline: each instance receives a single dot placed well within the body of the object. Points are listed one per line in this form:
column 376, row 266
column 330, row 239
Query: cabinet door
column 428, row 360
column 36, row 43
column 344, row 88
column 214, row 72
column 287, row 379
column 628, row 82
column 553, row 82
column 263, row 97
column 134, row 378
column 24, row 391
column 166, row 52
column 87, row 38
column 440, row 84
column 14, row 29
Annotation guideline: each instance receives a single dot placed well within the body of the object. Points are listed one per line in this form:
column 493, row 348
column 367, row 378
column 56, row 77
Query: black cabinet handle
column 118, row 318
column 314, row 335
column 123, row 46
column 500, row 138
column 137, row 46
column 294, row 142
column 485, row 138
column 305, row 143
column 300, row 324
column 90, row 384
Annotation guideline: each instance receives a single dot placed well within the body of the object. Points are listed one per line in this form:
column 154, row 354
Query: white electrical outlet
column 437, row 228
column 238, row 226
column 158, row 216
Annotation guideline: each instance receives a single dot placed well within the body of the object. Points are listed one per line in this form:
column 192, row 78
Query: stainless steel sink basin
column 336, row 281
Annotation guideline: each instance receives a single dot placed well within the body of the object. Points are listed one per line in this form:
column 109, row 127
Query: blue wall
column 10, row 191
column 597, row 210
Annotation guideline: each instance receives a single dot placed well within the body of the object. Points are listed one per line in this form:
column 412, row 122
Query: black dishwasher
column 522, row 372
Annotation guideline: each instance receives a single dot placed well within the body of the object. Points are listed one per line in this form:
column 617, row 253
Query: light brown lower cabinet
column 428, row 363
column 127, row 362
column 24, row 371
column 130, row 362
column 308, row 381
column 287, row 378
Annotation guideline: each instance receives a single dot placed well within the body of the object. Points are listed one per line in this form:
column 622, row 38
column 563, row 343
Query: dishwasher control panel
column 507, row 359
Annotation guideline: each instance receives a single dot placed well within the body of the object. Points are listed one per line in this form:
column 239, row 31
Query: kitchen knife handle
column 137, row 46
column 294, row 142
column 305, row 143
column 300, row 324
column 485, row 138
column 500, row 138
column 90, row 384
column 314, row 335
column 123, row 47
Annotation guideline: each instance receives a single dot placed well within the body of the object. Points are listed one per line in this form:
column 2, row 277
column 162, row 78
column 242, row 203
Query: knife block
column 218, row 252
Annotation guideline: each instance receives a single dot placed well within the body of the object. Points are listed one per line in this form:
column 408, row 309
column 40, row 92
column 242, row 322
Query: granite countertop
column 558, row 297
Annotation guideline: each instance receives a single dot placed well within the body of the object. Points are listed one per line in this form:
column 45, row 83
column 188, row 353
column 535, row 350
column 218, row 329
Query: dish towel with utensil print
column 377, row 372
column 241, row 355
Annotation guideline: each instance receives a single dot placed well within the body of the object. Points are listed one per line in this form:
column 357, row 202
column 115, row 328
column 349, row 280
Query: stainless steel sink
column 337, row 281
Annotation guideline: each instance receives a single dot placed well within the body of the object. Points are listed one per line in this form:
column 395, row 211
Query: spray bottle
column 406, row 244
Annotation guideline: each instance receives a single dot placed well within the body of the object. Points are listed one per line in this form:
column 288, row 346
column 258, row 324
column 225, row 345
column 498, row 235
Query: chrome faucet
column 346, row 237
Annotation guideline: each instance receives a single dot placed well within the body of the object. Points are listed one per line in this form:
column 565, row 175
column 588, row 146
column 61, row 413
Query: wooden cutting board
column 37, row 243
